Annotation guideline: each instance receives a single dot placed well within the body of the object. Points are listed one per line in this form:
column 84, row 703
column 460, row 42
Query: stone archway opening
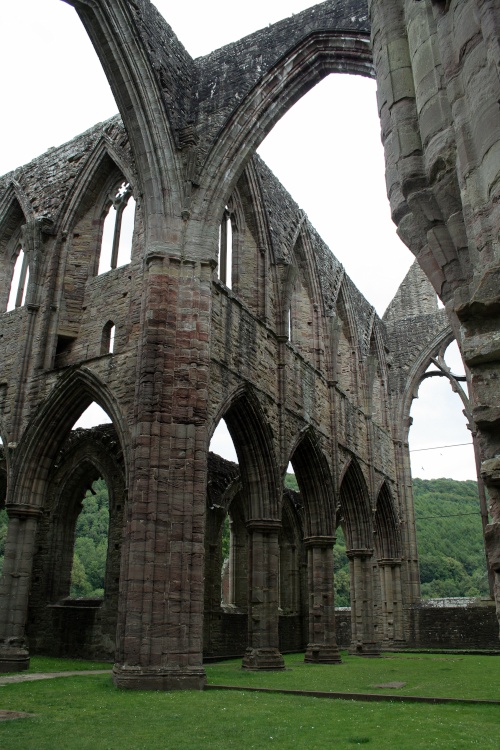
column 90, row 551
column 450, row 517
column 337, row 167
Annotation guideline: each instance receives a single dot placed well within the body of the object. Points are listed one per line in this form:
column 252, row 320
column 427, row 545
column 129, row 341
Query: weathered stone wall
column 474, row 627
column 330, row 392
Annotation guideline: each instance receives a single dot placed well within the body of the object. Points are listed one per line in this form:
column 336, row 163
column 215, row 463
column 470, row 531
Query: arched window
column 19, row 283
column 116, row 244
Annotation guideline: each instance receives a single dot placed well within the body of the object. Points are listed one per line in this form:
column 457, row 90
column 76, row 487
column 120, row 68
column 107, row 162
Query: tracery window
column 116, row 243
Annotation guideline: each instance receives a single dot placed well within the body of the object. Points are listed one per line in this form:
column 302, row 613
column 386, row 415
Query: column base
column 368, row 649
column 319, row 653
column 14, row 659
column 263, row 659
column 144, row 678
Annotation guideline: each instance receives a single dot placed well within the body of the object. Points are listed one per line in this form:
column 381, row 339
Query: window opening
column 19, row 284
column 118, row 229
column 342, row 572
column 448, row 512
column 93, row 416
column 229, row 552
column 108, row 338
column 226, row 249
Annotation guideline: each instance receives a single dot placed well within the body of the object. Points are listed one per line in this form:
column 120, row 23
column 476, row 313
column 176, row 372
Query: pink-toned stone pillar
column 160, row 620
column 322, row 646
column 263, row 614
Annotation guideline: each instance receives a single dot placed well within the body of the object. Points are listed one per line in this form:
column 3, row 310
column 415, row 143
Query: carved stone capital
column 23, row 510
column 319, row 541
column 359, row 553
column 266, row 525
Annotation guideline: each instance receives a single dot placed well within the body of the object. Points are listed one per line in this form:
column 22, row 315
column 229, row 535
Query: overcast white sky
column 326, row 150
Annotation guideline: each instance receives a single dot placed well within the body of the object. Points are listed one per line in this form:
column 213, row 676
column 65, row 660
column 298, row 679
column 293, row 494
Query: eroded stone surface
column 282, row 344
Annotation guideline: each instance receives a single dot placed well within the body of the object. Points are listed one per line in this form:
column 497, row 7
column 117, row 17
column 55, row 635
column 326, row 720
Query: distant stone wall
column 468, row 624
column 471, row 627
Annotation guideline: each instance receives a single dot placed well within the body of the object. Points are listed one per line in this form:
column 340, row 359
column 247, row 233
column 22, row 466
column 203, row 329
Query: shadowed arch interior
column 45, row 436
column 316, row 487
column 387, row 534
column 252, row 440
column 354, row 509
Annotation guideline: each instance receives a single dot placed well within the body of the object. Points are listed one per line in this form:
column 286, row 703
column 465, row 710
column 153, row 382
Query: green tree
column 91, row 543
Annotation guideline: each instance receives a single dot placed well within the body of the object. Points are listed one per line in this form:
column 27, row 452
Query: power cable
column 438, row 447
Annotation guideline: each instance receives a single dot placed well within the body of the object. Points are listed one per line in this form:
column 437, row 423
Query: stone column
column 392, row 602
column 322, row 645
column 480, row 323
column 15, row 586
column 160, row 619
column 289, row 578
column 263, row 615
column 238, row 559
column 364, row 615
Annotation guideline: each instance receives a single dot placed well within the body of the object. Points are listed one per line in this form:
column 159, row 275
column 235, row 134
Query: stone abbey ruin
column 231, row 306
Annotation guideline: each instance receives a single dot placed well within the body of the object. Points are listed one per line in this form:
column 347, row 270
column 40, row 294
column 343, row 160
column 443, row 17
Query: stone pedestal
column 136, row 678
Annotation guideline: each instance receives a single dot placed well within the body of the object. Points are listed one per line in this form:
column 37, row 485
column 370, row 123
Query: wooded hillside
column 449, row 537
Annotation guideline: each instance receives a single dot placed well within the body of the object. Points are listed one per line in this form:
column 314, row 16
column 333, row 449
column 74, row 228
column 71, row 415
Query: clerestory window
column 118, row 229
column 19, row 283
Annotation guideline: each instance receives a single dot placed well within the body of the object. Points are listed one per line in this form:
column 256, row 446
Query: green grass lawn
column 53, row 664
column 88, row 713
column 436, row 675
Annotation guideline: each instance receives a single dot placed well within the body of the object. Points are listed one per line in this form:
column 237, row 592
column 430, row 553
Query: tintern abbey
column 229, row 305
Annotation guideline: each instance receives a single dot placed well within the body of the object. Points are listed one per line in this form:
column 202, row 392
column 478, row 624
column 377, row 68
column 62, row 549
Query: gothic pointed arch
column 104, row 163
column 50, row 427
column 315, row 485
column 354, row 512
column 142, row 88
column 257, row 221
column 88, row 455
column 386, row 527
column 104, row 181
column 253, row 441
column 345, row 344
column 377, row 379
column 12, row 220
column 15, row 191
column 311, row 59
column 436, row 343
column 299, row 297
